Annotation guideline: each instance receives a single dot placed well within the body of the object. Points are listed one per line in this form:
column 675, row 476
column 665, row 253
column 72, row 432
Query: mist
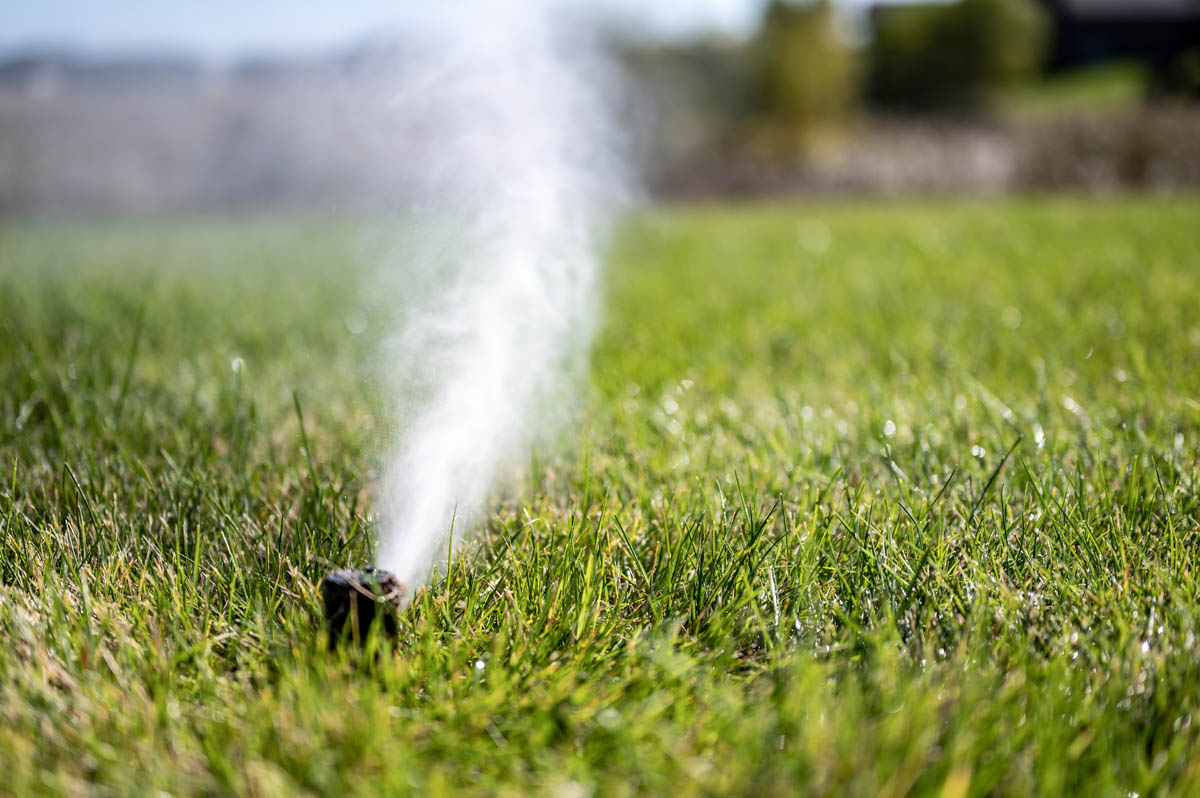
column 521, row 169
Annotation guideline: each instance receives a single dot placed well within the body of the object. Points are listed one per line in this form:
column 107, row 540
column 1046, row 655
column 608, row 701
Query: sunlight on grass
column 1085, row 90
column 910, row 510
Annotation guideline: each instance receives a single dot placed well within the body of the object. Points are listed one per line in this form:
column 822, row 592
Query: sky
column 228, row 28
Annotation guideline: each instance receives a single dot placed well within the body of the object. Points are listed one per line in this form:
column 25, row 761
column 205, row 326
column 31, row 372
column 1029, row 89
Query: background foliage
column 955, row 57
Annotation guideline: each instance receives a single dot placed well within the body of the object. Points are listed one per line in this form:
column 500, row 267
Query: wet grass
column 862, row 499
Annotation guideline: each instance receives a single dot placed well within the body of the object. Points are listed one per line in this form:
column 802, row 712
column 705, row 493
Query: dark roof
column 1117, row 9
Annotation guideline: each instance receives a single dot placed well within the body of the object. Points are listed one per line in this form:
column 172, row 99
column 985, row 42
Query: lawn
column 881, row 498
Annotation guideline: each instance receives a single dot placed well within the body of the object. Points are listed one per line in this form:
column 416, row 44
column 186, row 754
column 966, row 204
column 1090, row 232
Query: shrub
column 954, row 57
column 806, row 80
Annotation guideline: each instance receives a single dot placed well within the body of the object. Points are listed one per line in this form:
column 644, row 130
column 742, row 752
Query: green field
column 895, row 499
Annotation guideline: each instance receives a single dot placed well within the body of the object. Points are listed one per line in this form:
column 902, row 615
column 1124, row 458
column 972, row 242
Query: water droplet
column 356, row 323
column 480, row 664
column 889, row 428
column 237, row 364
column 978, row 451
column 608, row 718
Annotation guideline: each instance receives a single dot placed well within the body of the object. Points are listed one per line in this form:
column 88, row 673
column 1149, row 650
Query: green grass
column 864, row 499
column 1093, row 90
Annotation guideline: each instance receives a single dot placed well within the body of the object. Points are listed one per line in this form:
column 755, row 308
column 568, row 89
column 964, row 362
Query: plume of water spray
column 516, row 173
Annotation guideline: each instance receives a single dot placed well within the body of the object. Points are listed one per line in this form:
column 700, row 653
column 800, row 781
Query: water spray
column 515, row 176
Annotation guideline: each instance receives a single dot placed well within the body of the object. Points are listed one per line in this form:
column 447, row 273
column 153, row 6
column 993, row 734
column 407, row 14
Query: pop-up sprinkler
column 357, row 598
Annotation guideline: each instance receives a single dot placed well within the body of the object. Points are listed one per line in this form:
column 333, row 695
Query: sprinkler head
column 357, row 598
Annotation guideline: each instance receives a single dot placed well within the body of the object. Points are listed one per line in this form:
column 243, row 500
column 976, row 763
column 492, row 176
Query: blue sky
column 222, row 28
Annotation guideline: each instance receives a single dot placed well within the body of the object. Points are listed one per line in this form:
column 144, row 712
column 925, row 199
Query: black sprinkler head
column 357, row 598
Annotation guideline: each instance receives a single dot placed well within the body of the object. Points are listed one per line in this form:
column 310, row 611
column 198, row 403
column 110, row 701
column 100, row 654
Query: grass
column 864, row 499
column 1091, row 91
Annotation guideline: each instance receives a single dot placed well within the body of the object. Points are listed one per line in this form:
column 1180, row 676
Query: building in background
column 1164, row 34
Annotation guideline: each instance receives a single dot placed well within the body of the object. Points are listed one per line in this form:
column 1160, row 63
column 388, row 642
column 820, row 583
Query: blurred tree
column 805, row 82
column 1180, row 77
column 954, row 57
